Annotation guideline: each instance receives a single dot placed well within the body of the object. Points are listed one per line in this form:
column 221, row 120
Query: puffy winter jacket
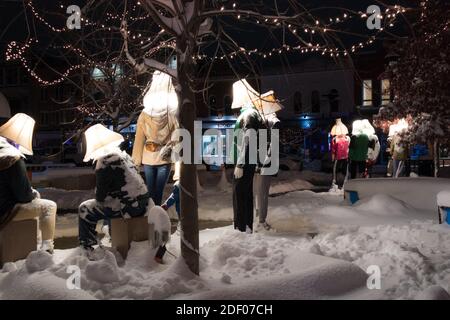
column 339, row 147
column 152, row 134
column 14, row 184
column 359, row 146
column 119, row 184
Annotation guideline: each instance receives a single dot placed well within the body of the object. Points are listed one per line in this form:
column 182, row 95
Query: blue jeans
column 156, row 178
column 91, row 211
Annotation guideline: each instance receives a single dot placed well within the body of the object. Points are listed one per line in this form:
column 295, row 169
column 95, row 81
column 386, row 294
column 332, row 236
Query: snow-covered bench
column 17, row 240
column 419, row 193
column 124, row 231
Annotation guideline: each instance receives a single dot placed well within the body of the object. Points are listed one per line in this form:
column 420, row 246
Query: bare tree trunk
column 188, row 175
column 436, row 157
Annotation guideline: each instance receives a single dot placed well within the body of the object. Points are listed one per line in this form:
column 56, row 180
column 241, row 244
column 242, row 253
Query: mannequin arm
column 139, row 142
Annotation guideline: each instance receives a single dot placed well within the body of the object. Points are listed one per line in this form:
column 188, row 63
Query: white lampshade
column 367, row 128
column 357, row 127
column 20, row 130
column 339, row 128
column 268, row 103
column 161, row 98
column 99, row 140
column 243, row 94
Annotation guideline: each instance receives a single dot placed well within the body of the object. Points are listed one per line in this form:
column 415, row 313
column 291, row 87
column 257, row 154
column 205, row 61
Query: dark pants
column 156, row 178
column 340, row 166
column 243, row 199
column 91, row 211
column 357, row 167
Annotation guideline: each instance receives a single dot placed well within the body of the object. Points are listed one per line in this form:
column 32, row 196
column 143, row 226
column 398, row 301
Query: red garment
column 339, row 147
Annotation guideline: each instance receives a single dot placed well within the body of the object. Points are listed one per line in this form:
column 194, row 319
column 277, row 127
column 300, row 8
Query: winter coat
column 359, row 146
column 270, row 123
column 14, row 184
column 339, row 147
column 152, row 134
column 248, row 119
column 119, row 184
column 399, row 150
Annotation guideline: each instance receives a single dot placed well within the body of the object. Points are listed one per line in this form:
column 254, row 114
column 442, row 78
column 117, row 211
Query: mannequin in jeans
column 155, row 125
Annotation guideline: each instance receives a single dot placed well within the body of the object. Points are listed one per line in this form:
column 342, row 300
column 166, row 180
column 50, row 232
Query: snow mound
column 382, row 204
column 330, row 280
column 104, row 270
column 19, row 285
column 443, row 198
column 38, row 261
column 434, row 293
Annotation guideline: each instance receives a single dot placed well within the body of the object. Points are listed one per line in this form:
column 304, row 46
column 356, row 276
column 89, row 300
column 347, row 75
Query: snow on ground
column 410, row 248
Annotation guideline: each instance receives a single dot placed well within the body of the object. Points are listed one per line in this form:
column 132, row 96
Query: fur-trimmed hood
column 8, row 154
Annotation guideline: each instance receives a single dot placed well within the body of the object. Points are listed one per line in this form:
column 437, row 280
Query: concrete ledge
column 17, row 240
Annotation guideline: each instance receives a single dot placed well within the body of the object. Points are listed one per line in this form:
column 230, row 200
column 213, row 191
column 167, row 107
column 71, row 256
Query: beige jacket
column 152, row 129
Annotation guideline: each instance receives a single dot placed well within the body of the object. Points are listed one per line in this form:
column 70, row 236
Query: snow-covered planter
column 419, row 193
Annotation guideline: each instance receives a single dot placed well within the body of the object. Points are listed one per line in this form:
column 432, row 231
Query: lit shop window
column 385, row 91
column 367, row 93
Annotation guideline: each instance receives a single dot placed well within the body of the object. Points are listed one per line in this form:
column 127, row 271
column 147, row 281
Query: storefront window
column 367, row 93
column 385, row 91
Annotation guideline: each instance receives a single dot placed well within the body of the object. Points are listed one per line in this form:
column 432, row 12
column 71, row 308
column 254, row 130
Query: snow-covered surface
column 410, row 248
column 443, row 198
column 420, row 193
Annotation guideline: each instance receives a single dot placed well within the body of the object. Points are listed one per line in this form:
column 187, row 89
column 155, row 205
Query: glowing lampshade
column 339, row 128
column 400, row 126
column 243, row 94
column 20, row 130
column 357, row 127
column 99, row 140
column 161, row 98
column 367, row 128
column 268, row 104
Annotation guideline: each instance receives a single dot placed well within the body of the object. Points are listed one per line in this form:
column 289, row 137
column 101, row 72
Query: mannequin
column 398, row 148
column 339, row 150
column 250, row 119
column 155, row 125
column 269, row 108
column 359, row 146
column 374, row 147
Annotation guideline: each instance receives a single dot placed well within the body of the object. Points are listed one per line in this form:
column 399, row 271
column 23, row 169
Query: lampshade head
column 357, row 127
column 267, row 103
column 19, row 129
column 243, row 94
column 339, row 128
column 367, row 128
column 161, row 98
column 100, row 140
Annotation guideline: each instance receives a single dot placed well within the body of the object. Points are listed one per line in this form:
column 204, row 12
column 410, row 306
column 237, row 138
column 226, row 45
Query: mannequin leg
column 162, row 175
column 150, row 177
column 263, row 196
column 243, row 199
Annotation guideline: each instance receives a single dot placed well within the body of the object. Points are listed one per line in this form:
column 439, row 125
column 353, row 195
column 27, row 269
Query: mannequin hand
column 238, row 173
